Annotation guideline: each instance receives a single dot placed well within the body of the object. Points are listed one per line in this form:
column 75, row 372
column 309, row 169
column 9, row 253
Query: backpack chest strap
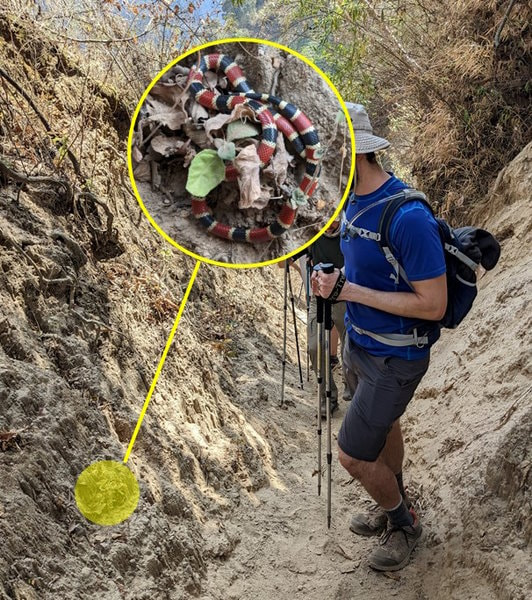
column 355, row 232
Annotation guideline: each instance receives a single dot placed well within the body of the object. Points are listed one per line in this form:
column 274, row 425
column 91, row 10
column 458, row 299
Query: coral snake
column 285, row 117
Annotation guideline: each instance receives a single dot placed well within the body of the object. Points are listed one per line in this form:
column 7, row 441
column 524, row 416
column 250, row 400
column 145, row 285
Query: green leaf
column 238, row 130
column 340, row 117
column 227, row 151
column 206, row 171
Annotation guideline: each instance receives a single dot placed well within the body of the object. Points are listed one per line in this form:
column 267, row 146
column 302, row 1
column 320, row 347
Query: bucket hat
column 365, row 141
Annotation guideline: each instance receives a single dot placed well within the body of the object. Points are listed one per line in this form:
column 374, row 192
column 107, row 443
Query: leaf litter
column 172, row 130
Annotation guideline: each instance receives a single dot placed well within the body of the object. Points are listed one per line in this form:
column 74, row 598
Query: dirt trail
column 285, row 550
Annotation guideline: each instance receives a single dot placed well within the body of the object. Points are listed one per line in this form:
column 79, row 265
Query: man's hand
column 323, row 283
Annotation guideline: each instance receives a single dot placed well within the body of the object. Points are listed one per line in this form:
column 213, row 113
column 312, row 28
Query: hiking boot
column 372, row 522
column 333, row 407
column 395, row 546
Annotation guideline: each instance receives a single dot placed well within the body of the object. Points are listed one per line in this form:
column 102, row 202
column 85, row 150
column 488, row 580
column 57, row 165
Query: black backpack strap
column 407, row 195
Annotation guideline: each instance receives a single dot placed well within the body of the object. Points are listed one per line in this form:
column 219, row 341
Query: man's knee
column 355, row 467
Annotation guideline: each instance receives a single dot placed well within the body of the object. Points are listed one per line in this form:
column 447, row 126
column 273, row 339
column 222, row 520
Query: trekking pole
column 309, row 268
column 284, row 334
column 319, row 322
column 327, row 310
column 292, row 300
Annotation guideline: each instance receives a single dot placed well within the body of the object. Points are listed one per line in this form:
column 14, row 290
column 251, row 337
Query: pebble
column 85, row 573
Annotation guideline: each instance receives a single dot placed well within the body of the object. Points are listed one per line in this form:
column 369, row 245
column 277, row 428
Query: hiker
column 326, row 249
column 390, row 329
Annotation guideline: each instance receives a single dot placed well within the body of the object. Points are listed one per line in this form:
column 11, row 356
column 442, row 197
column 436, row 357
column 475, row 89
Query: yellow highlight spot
column 107, row 492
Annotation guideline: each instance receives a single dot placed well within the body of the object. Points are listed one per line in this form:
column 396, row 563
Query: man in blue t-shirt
column 385, row 320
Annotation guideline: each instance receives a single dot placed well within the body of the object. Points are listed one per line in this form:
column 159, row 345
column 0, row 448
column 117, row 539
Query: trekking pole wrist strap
column 338, row 286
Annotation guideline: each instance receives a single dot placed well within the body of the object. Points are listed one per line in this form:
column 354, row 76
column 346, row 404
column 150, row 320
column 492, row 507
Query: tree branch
column 39, row 114
column 16, row 176
column 108, row 41
column 497, row 38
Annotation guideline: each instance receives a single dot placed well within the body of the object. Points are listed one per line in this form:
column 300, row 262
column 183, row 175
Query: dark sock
column 400, row 516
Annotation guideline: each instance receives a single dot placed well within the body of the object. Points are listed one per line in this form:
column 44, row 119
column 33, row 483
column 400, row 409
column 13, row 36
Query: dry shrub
column 475, row 98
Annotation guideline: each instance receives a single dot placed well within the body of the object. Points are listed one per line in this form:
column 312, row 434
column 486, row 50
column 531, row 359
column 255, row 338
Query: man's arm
column 427, row 301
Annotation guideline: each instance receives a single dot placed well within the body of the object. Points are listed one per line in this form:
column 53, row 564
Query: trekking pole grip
column 328, row 268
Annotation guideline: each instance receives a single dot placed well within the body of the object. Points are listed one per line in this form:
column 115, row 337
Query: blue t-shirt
column 415, row 242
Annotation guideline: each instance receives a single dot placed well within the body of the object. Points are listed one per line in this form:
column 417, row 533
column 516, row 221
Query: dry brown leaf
column 9, row 440
column 197, row 112
column 168, row 146
column 173, row 118
column 278, row 167
column 241, row 111
column 198, row 136
column 215, row 123
column 142, row 172
column 170, row 93
column 248, row 164
column 136, row 154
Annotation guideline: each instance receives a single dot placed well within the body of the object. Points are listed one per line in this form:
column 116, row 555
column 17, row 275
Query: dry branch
column 149, row 29
column 16, row 176
column 44, row 121
column 497, row 38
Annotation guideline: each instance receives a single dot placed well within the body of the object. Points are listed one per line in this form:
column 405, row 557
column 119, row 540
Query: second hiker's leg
column 338, row 309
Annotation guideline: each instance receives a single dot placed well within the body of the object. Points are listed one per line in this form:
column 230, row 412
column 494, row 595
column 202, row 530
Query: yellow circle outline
column 145, row 210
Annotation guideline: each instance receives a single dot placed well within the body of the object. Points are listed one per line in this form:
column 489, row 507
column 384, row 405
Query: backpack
column 465, row 248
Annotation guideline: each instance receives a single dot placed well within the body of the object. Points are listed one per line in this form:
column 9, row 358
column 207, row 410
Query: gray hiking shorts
column 381, row 388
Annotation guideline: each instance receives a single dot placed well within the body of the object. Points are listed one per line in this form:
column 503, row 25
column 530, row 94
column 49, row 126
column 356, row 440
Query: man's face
column 334, row 226
column 358, row 157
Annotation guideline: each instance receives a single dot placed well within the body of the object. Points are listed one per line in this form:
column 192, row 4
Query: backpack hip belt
column 398, row 340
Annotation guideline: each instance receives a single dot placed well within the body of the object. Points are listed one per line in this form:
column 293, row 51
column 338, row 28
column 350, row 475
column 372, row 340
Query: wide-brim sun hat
column 365, row 141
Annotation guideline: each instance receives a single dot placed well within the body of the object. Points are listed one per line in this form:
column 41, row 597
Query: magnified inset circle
column 241, row 152
column 107, row 492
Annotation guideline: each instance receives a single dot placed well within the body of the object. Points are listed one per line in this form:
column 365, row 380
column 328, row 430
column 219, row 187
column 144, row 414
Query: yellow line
column 161, row 362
